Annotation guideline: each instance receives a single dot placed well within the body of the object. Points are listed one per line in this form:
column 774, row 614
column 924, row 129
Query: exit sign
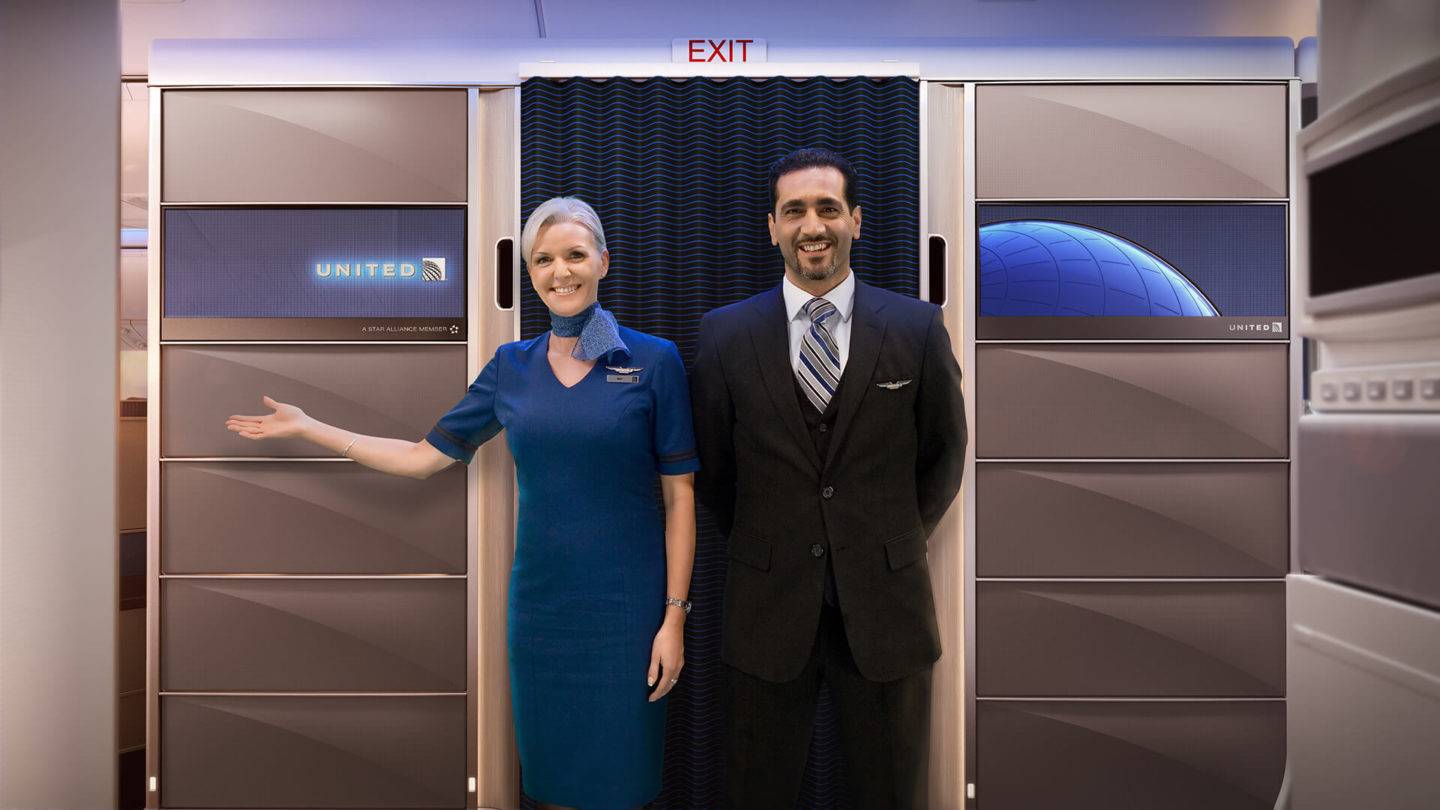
column 704, row 50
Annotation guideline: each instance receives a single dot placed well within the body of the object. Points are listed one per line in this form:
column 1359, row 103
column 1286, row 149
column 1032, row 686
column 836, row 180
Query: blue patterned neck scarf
column 572, row 325
column 598, row 332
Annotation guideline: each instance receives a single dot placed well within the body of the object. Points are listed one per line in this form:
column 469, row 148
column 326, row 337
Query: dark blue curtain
column 676, row 170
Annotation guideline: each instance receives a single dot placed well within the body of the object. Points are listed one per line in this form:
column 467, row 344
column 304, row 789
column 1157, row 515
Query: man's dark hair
column 810, row 159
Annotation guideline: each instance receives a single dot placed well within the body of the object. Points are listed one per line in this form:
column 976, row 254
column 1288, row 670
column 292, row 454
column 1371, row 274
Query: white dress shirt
column 842, row 296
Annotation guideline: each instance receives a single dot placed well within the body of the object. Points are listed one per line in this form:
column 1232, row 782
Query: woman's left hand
column 667, row 657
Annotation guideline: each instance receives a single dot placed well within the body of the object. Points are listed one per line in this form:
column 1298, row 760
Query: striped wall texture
column 676, row 170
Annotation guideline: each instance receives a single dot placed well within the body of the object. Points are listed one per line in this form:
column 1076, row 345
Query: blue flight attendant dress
column 587, row 591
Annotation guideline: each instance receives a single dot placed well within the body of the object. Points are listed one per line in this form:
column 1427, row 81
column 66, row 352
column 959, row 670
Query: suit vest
column 821, row 426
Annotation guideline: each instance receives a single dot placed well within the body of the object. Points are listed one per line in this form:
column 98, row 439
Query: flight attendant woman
column 592, row 412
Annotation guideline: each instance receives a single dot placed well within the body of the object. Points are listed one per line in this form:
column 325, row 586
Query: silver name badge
column 622, row 378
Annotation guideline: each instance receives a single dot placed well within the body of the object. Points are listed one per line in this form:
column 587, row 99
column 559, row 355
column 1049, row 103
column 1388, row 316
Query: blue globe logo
column 1037, row 267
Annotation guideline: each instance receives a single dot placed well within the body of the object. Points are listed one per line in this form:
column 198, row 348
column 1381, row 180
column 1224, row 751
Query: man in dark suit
column 831, row 431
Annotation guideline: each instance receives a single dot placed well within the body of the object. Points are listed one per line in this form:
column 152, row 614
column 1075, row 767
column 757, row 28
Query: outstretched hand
column 286, row 421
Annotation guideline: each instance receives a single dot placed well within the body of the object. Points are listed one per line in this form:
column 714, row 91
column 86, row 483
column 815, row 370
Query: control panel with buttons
column 1411, row 387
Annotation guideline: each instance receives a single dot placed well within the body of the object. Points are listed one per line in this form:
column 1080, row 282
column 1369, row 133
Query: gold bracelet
column 346, row 451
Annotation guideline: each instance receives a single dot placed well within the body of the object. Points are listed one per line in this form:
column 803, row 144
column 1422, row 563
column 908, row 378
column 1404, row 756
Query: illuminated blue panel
column 1037, row 267
column 314, row 262
column 1234, row 255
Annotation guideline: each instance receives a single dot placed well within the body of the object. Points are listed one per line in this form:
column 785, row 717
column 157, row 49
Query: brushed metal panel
column 320, row 752
column 292, row 518
column 394, row 391
column 1364, row 699
column 1130, row 639
column 1102, row 141
column 1367, row 511
column 1132, row 401
column 1130, row 755
column 1132, row 520
column 290, row 635
column 314, row 145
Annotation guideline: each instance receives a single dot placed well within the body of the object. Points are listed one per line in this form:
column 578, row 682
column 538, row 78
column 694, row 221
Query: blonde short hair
column 561, row 209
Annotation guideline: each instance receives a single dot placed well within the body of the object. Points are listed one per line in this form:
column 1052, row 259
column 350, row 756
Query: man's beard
column 822, row 274
column 819, row 274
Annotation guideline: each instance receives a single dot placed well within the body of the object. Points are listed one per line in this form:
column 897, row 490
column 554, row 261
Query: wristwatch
column 683, row 604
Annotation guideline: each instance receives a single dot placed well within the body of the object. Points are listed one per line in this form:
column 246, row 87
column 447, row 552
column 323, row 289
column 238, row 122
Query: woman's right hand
column 285, row 422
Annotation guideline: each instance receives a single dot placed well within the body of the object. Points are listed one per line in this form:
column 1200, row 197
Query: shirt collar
column 842, row 296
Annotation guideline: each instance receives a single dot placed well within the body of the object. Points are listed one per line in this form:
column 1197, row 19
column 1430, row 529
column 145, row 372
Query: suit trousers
column 884, row 730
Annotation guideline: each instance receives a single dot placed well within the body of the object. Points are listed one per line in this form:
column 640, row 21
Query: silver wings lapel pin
column 893, row 384
column 623, row 374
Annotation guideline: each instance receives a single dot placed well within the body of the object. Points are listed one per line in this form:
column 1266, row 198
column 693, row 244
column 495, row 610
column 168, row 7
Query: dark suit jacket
column 893, row 467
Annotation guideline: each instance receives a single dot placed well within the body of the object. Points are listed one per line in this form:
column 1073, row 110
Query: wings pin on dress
column 623, row 374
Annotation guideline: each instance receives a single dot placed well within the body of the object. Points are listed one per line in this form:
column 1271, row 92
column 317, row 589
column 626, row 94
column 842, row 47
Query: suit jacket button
column 827, row 493
column 817, row 550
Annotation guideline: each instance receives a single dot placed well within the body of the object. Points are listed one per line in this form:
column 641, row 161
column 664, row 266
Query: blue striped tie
column 819, row 369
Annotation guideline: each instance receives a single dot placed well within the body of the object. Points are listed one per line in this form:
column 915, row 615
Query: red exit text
column 702, row 50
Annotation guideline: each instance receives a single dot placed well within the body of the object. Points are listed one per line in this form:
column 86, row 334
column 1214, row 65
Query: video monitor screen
column 1368, row 218
column 1155, row 271
column 362, row 273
